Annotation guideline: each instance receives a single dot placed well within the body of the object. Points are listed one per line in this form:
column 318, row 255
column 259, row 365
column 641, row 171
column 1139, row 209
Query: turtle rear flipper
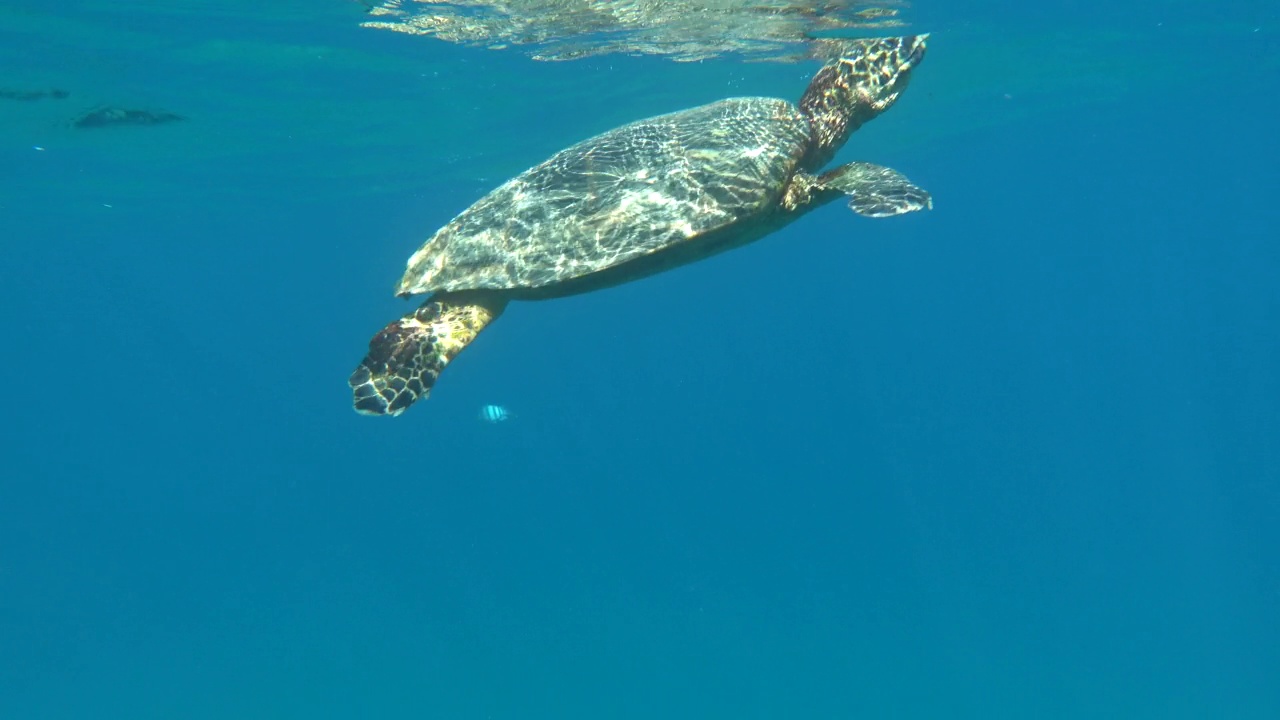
column 875, row 190
column 407, row 356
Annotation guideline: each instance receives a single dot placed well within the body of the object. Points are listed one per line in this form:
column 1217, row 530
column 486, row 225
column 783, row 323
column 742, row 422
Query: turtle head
column 863, row 81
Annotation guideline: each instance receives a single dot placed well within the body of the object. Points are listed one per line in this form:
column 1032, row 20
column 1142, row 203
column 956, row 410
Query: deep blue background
column 1016, row 457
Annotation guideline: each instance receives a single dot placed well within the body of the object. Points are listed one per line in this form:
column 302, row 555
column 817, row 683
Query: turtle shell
column 630, row 192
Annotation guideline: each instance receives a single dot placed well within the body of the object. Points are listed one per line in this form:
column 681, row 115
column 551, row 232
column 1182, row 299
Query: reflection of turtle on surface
column 682, row 30
column 876, row 13
column 638, row 200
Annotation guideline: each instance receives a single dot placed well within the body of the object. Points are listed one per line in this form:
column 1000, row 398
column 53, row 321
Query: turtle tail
column 407, row 356
column 863, row 81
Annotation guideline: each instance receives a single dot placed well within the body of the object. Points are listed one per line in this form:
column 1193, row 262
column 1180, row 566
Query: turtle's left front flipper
column 875, row 190
column 407, row 356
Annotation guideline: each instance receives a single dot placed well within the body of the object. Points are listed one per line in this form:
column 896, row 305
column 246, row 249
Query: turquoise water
column 1015, row 457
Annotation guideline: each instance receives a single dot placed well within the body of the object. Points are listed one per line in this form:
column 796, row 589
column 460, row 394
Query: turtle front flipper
column 875, row 190
column 407, row 356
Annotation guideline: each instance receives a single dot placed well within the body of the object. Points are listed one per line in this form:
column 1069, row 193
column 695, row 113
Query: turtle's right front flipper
column 875, row 190
column 407, row 356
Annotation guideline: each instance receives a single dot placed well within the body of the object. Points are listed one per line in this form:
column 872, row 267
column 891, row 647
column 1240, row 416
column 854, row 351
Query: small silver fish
column 494, row 414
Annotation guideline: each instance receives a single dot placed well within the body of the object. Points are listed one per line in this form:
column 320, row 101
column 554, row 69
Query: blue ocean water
column 1015, row 457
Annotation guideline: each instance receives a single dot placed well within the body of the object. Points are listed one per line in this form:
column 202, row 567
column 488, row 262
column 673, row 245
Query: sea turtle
column 110, row 116
column 637, row 200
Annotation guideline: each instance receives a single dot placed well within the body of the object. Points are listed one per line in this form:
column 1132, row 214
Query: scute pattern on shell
column 626, row 193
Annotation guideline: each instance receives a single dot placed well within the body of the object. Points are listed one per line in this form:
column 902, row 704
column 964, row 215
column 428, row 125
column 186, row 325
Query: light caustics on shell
column 684, row 30
column 627, row 193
